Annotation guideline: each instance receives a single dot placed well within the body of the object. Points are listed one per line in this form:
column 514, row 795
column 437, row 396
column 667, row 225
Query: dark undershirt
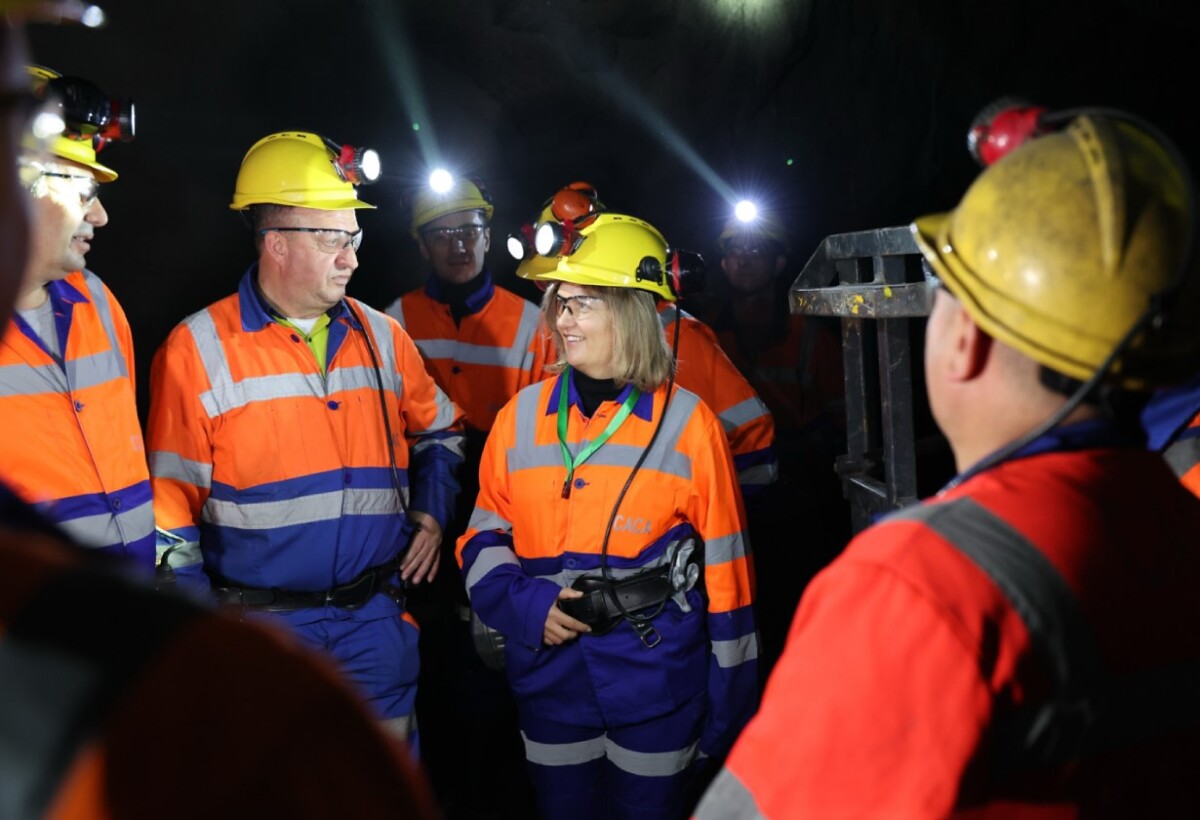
column 457, row 293
column 594, row 392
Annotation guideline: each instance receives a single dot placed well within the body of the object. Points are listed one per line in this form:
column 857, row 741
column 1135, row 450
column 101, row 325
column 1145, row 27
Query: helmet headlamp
column 358, row 166
column 87, row 112
column 1002, row 127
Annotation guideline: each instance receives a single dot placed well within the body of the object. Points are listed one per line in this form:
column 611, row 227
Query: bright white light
column 47, row 124
column 441, row 181
column 370, row 165
column 546, row 240
column 93, row 17
column 746, row 211
column 516, row 248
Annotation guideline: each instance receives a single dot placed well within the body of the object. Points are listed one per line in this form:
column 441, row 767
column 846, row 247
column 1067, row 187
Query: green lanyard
column 618, row 419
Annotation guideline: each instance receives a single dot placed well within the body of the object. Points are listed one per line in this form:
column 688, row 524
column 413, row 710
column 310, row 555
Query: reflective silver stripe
column 24, row 380
column 725, row 549
column 100, row 300
column 1183, row 455
column 735, row 652
column 743, row 412
column 266, row 515
column 758, row 475
column 650, row 764
column 728, row 799
column 351, row 378
column 95, row 369
column 529, row 404
column 186, row 554
column 482, row 520
column 563, row 754
column 487, row 560
column 165, row 464
column 107, row 529
column 262, row 388
column 380, row 327
column 668, row 315
column 93, row 530
column 396, row 311
column 566, row 577
column 1027, row 578
column 222, row 394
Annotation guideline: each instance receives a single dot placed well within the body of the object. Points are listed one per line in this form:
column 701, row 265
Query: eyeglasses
column 465, row 234
column 746, row 252
column 87, row 187
column 584, row 305
column 329, row 240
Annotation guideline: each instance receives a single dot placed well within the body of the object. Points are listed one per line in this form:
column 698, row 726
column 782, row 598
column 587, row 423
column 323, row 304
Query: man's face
column 316, row 264
column 456, row 244
column 67, row 210
column 750, row 266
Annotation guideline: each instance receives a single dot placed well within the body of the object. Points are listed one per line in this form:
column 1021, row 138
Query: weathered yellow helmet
column 620, row 251
column 1060, row 249
column 74, row 147
column 294, row 168
column 465, row 195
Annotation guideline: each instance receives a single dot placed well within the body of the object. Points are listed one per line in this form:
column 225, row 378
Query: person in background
column 481, row 344
column 605, row 495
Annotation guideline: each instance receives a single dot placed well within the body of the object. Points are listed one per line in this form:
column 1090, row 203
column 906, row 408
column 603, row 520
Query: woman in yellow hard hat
column 608, row 547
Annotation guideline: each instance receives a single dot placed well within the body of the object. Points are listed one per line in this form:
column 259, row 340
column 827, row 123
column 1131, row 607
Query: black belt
column 605, row 602
column 350, row 595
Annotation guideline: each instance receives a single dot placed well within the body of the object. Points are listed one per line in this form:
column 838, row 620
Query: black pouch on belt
column 599, row 609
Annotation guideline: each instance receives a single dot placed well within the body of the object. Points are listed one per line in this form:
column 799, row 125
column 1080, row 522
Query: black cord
column 387, row 425
column 605, row 571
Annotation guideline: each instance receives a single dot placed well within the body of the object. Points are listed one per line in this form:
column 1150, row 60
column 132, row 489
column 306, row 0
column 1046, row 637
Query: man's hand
column 561, row 627
column 421, row 561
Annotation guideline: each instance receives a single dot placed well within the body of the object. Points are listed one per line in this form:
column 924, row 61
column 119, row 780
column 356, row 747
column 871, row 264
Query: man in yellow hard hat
column 482, row 344
column 1022, row 641
column 300, row 453
column 66, row 361
column 113, row 697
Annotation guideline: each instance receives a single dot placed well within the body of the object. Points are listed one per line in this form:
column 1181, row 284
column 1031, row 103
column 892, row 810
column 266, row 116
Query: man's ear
column 487, row 238
column 423, row 247
column 972, row 347
column 274, row 245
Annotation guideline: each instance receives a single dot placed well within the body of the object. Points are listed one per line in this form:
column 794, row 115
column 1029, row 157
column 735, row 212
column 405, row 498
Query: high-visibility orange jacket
column 704, row 369
column 906, row 659
column 1172, row 423
column 481, row 362
column 526, row 541
column 799, row 377
column 71, row 442
column 119, row 702
column 275, row 474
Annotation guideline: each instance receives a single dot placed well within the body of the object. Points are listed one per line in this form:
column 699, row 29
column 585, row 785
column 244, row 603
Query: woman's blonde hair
column 640, row 353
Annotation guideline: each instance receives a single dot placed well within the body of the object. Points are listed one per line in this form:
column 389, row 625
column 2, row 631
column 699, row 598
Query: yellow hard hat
column 620, row 251
column 294, row 168
column 1060, row 248
column 75, row 147
column 465, row 195
column 754, row 231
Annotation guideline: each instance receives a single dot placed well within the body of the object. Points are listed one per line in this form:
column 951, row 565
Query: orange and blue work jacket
column 275, row 471
column 71, row 442
column 1171, row 420
column 704, row 369
column 526, row 541
column 481, row 361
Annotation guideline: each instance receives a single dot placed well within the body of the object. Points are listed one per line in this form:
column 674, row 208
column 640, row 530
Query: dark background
column 837, row 115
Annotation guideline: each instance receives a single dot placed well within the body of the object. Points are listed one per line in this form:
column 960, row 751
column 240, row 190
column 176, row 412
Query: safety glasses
column 86, row 186
column 578, row 306
column 465, row 234
column 329, row 240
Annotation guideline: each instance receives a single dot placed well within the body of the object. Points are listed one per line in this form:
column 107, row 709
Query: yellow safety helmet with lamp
column 90, row 118
column 621, row 251
column 464, row 194
column 304, row 170
column 1066, row 245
